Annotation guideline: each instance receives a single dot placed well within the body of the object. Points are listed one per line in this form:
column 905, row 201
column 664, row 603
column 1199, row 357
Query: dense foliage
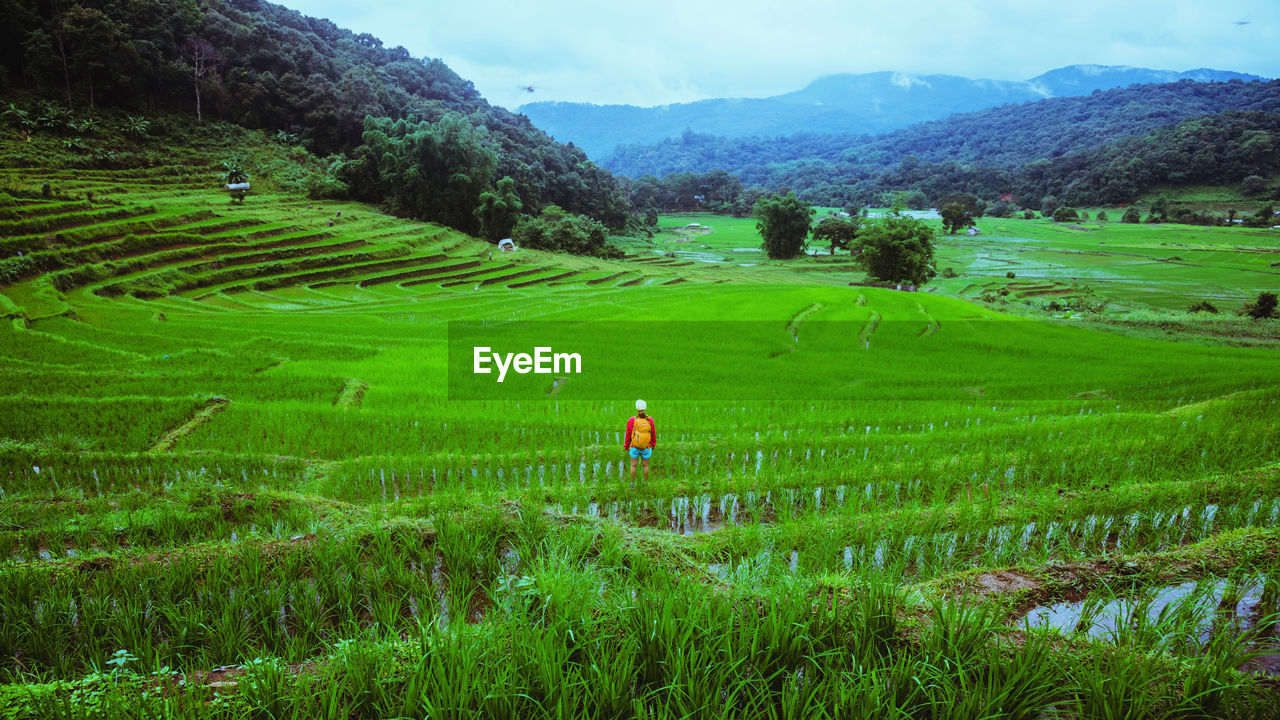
column 837, row 232
column 435, row 171
column 955, row 217
column 1262, row 308
column 265, row 66
column 554, row 229
column 711, row 191
column 783, row 222
column 1078, row 147
column 897, row 249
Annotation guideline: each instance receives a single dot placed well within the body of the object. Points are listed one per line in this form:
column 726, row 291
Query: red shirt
column 653, row 432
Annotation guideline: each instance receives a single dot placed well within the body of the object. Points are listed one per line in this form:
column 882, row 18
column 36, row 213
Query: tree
column 1102, row 216
column 1160, row 208
column 954, row 217
column 1131, row 215
column 555, row 229
column 95, row 43
column 1048, row 205
column 201, row 56
column 499, row 209
column 1263, row 307
column 1253, row 185
column 969, row 202
column 1065, row 214
column 897, row 249
column 651, row 217
column 783, row 222
column 431, row 171
column 836, row 232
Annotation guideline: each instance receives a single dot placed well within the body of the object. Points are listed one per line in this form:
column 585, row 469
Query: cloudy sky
column 662, row 51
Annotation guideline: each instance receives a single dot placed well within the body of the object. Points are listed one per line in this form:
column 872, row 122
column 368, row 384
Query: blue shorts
column 638, row 453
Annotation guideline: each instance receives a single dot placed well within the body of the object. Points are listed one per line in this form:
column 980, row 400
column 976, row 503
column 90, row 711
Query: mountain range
column 835, row 104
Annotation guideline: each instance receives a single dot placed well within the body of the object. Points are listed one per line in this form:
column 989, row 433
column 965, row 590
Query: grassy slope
column 924, row 436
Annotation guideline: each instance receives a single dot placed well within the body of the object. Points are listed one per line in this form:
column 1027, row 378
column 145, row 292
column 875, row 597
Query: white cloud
column 906, row 82
column 1040, row 89
column 665, row 51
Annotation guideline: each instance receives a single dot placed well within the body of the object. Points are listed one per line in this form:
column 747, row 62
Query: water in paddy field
column 930, row 214
column 1250, row 607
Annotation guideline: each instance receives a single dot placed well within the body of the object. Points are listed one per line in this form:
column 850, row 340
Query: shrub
column 1029, row 215
column 136, row 126
column 948, row 273
column 1102, row 216
column 1131, row 215
column 233, row 171
column 1262, row 308
column 1253, row 185
column 1065, row 214
column 1011, row 275
column 1264, row 217
column 1202, row 306
column 554, row 229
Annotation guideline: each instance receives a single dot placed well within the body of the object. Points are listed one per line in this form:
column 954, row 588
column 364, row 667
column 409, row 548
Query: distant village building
column 972, row 231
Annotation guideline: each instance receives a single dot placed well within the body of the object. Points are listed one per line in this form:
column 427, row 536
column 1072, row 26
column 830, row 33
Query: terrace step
column 483, row 269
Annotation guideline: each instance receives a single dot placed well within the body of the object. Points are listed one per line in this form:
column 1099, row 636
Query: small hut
column 506, row 245
column 238, row 190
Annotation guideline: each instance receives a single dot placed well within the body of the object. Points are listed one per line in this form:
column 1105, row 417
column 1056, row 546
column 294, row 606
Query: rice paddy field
column 234, row 482
column 1135, row 267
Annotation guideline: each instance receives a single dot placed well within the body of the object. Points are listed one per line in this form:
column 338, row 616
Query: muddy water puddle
column 1247, row 609
column 1090, row 535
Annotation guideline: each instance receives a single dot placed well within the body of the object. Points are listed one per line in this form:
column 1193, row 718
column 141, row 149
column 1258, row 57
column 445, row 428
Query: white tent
column 506, row 244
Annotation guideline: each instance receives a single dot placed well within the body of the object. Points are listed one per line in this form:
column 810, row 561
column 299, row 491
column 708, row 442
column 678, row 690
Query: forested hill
column 1006, row 137
column 835, row 104
column 265, row 66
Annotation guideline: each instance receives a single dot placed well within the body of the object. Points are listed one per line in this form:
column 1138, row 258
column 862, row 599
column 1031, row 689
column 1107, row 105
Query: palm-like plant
column 233, row 172
column 17, row 116
column 137, row 126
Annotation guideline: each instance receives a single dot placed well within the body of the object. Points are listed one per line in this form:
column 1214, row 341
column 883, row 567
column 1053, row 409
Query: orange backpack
column 641, row 433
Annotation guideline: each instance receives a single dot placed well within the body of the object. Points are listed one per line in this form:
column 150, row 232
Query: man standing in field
column 642, row 438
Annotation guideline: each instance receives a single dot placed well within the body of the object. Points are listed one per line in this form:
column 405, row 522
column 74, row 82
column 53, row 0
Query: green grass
column 856, row 494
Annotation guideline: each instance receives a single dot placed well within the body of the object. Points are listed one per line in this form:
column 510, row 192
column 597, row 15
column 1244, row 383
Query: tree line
column 895, row 249
column 1078, row 147
column 372, row 111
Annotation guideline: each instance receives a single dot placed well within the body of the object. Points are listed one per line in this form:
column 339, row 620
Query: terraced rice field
column 233, row 484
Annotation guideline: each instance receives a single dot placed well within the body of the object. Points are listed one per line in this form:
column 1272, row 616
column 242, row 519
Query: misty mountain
column 836, row 104
column 1104, row 147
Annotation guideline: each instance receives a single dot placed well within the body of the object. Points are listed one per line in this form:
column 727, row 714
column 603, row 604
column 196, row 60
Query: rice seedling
column 854, row 526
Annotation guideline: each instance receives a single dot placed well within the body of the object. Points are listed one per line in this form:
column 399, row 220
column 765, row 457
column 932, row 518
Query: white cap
column 640, row 405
